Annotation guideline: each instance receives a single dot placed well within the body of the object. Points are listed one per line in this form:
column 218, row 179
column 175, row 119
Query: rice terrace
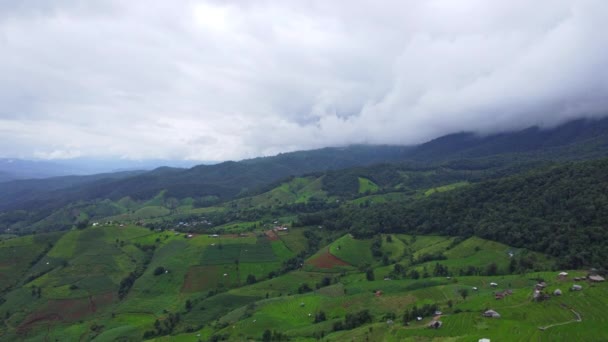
column 127, row 282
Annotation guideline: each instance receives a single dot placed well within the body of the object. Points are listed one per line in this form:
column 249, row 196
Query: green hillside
column 109, row 282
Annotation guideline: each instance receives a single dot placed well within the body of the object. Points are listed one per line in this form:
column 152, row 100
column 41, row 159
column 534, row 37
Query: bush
column 159, row 270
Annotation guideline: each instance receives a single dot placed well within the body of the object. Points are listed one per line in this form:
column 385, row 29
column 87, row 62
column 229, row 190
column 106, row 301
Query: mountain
column 579, row 139
column 13, row 169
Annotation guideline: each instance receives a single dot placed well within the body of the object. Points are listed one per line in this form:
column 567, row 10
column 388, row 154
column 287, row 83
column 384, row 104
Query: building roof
column 596, row 278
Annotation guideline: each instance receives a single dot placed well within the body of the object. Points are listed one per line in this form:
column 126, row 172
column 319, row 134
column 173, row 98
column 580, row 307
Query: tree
column 159, row 270
column 267, row 336
column 251, row 279
column 369, row 274
column 492, row 269
column 464, row 293
column 320, row 317
column 82, row 224
column 512, row 266
column 188, row 305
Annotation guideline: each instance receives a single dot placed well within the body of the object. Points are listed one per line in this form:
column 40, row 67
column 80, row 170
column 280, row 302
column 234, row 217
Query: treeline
column 558, row 210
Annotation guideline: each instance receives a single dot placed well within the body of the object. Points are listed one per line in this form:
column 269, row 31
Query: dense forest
column 560, row 210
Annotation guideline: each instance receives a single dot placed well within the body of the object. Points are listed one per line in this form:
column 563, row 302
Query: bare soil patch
column 327, row 260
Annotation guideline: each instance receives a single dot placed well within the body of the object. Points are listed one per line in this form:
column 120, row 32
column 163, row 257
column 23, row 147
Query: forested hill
column 573, row 140
column 560, row 210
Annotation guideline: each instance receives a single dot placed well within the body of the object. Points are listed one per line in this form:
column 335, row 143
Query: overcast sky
column 222, row 80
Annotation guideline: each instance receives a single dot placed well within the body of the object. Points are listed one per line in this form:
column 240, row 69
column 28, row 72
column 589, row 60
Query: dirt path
column 577, row 319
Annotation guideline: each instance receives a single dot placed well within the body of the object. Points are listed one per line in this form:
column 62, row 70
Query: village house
column 502, row 294
column 576, row 287
column 557, row 292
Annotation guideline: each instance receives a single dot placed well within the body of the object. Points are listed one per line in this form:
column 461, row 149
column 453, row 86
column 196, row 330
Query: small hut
column 557, row 292
column 576, row 287
column 596, row 278
column 491, row 314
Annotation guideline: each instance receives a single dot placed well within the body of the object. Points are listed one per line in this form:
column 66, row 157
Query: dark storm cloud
column 219, row 80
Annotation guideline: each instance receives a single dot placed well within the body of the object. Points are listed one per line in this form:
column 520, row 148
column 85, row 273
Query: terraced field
column 232, row 286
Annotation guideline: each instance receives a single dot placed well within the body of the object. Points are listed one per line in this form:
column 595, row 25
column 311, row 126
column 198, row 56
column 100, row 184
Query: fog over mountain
column 215, row 80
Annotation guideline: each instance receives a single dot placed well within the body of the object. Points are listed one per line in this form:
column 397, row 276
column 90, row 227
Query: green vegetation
column 367, row 186
column 335, row 251
column 445, row 188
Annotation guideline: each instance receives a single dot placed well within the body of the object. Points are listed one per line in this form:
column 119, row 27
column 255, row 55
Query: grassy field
column 367, row 186
column 444, row 188
column 353, row 251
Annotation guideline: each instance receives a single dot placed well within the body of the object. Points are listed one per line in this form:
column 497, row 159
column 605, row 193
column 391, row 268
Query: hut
column 491, row 314
column 557, row 292
column 493, row 284
column 576, row 287
column 596, row 278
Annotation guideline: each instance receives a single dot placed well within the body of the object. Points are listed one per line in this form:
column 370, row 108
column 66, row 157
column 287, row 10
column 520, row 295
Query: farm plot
column 353, row 251
column 65, row 310
column 325, row 260
column 205, row 278
column 219, row 254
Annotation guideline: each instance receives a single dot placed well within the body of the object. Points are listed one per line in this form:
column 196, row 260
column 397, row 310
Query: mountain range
column 575, row 140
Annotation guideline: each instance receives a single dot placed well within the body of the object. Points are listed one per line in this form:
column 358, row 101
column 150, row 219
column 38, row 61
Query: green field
column 444, row 188
column 205, row 279
column 353, row 251
column 367, row 186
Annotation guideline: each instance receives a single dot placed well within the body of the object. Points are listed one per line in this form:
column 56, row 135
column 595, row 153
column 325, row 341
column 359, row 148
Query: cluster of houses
column 540, row 295
column 194, row 223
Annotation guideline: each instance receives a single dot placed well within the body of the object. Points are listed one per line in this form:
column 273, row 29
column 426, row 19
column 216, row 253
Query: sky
column 220, row 80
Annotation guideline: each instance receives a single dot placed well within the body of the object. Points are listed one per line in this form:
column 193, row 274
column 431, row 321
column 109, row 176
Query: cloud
column 228, row 80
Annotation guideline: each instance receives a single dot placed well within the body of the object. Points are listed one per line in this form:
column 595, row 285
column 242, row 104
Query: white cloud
column 227, row 80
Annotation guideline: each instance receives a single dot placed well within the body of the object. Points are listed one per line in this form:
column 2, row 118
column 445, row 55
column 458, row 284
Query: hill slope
column 574, row 140
column 561, row 210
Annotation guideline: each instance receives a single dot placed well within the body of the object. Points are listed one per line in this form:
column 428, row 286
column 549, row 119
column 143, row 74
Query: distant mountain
column 575, row 139
column 580, row 139
column 13, row 169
